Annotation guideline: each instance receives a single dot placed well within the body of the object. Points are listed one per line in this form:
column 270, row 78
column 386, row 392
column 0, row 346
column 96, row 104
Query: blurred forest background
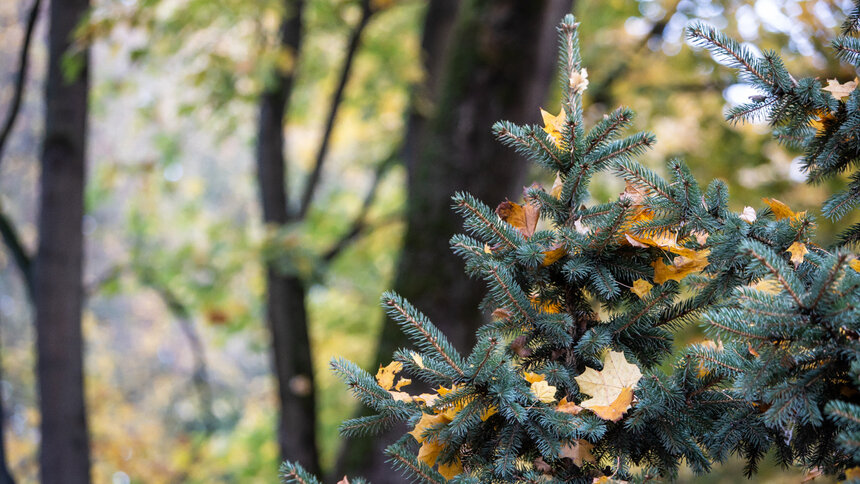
column 259, row 172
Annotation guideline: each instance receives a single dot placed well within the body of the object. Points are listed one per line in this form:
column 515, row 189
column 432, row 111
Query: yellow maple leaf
column 522, row 217
column 426, row 398
column 401, row 396
column 545, row 307
column 611, row 388
column 553, row 255
column 568, row 407
column 425, row 423
column 451, row 469
column 402, row 383
column 681, row 267
column 770, row 286
column 641, row 287
column 543, row 391
column 489, row 412
column 553, row 126
column 840, row 91
column 852, row 473
column 533, row 377
column 855, row 264
column 781, row 210
column 429, row 452
column 385, row 375
column 797, row 251
column 579, row 451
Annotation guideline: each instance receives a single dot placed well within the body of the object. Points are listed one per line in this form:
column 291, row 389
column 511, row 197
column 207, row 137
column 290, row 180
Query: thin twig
column 19, row 253
column 21, row 77
column 336, row 101
column 359, row 223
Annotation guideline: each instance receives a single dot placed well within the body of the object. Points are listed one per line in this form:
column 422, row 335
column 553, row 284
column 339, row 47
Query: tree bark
column 285, row 294
column 485, row 61
column 64, row 455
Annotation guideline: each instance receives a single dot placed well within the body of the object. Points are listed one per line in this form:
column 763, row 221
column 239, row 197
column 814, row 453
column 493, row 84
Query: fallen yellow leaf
column 543, row 391
column 579, row 451
column 426, row 422
column 840, row 91
column 429, row 452
column 855, row 264
column 385, row 375
column 568, row 407
column 533, row 377
column 611, row 388
column 452, row 469
column 681, row 267
column 781, row 210
column 797, row 251
column 553, row 126
column 553, row 255
column 641, row 287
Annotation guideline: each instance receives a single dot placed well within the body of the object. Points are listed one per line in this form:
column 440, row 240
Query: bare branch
column 19, row 254
column 337, row 98
column 359, row 223
column 21, row 77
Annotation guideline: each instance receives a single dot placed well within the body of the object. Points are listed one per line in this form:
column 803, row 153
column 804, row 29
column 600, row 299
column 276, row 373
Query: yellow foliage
column 553, row 125
column 611, row 388
column 797, row 251
column 543, row 391
column 641, row 287
column 385, row 375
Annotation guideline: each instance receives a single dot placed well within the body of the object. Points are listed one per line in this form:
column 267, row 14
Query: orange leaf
column 553, row 255
column 568, row 407
column 522, row 217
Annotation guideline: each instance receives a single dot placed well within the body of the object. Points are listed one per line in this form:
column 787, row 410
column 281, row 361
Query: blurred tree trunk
column 285, row 294
column 485, row 61
column 57, row 274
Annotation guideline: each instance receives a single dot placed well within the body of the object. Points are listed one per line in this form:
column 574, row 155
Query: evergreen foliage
column 567, row 381
column 803, row 114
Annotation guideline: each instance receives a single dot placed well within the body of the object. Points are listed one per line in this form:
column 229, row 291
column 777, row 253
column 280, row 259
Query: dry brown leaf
column 840, row 91
column 579, row 451
column 522, row 217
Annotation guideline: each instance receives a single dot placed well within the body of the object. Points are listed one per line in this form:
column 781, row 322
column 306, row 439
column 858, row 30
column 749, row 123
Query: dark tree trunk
column 285, row 294
column 486, row 60
column 57, row 274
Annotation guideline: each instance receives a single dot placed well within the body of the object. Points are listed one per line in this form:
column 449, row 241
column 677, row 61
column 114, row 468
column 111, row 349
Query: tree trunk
column 57, row 274
column 485, row 60
column 285, row 294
